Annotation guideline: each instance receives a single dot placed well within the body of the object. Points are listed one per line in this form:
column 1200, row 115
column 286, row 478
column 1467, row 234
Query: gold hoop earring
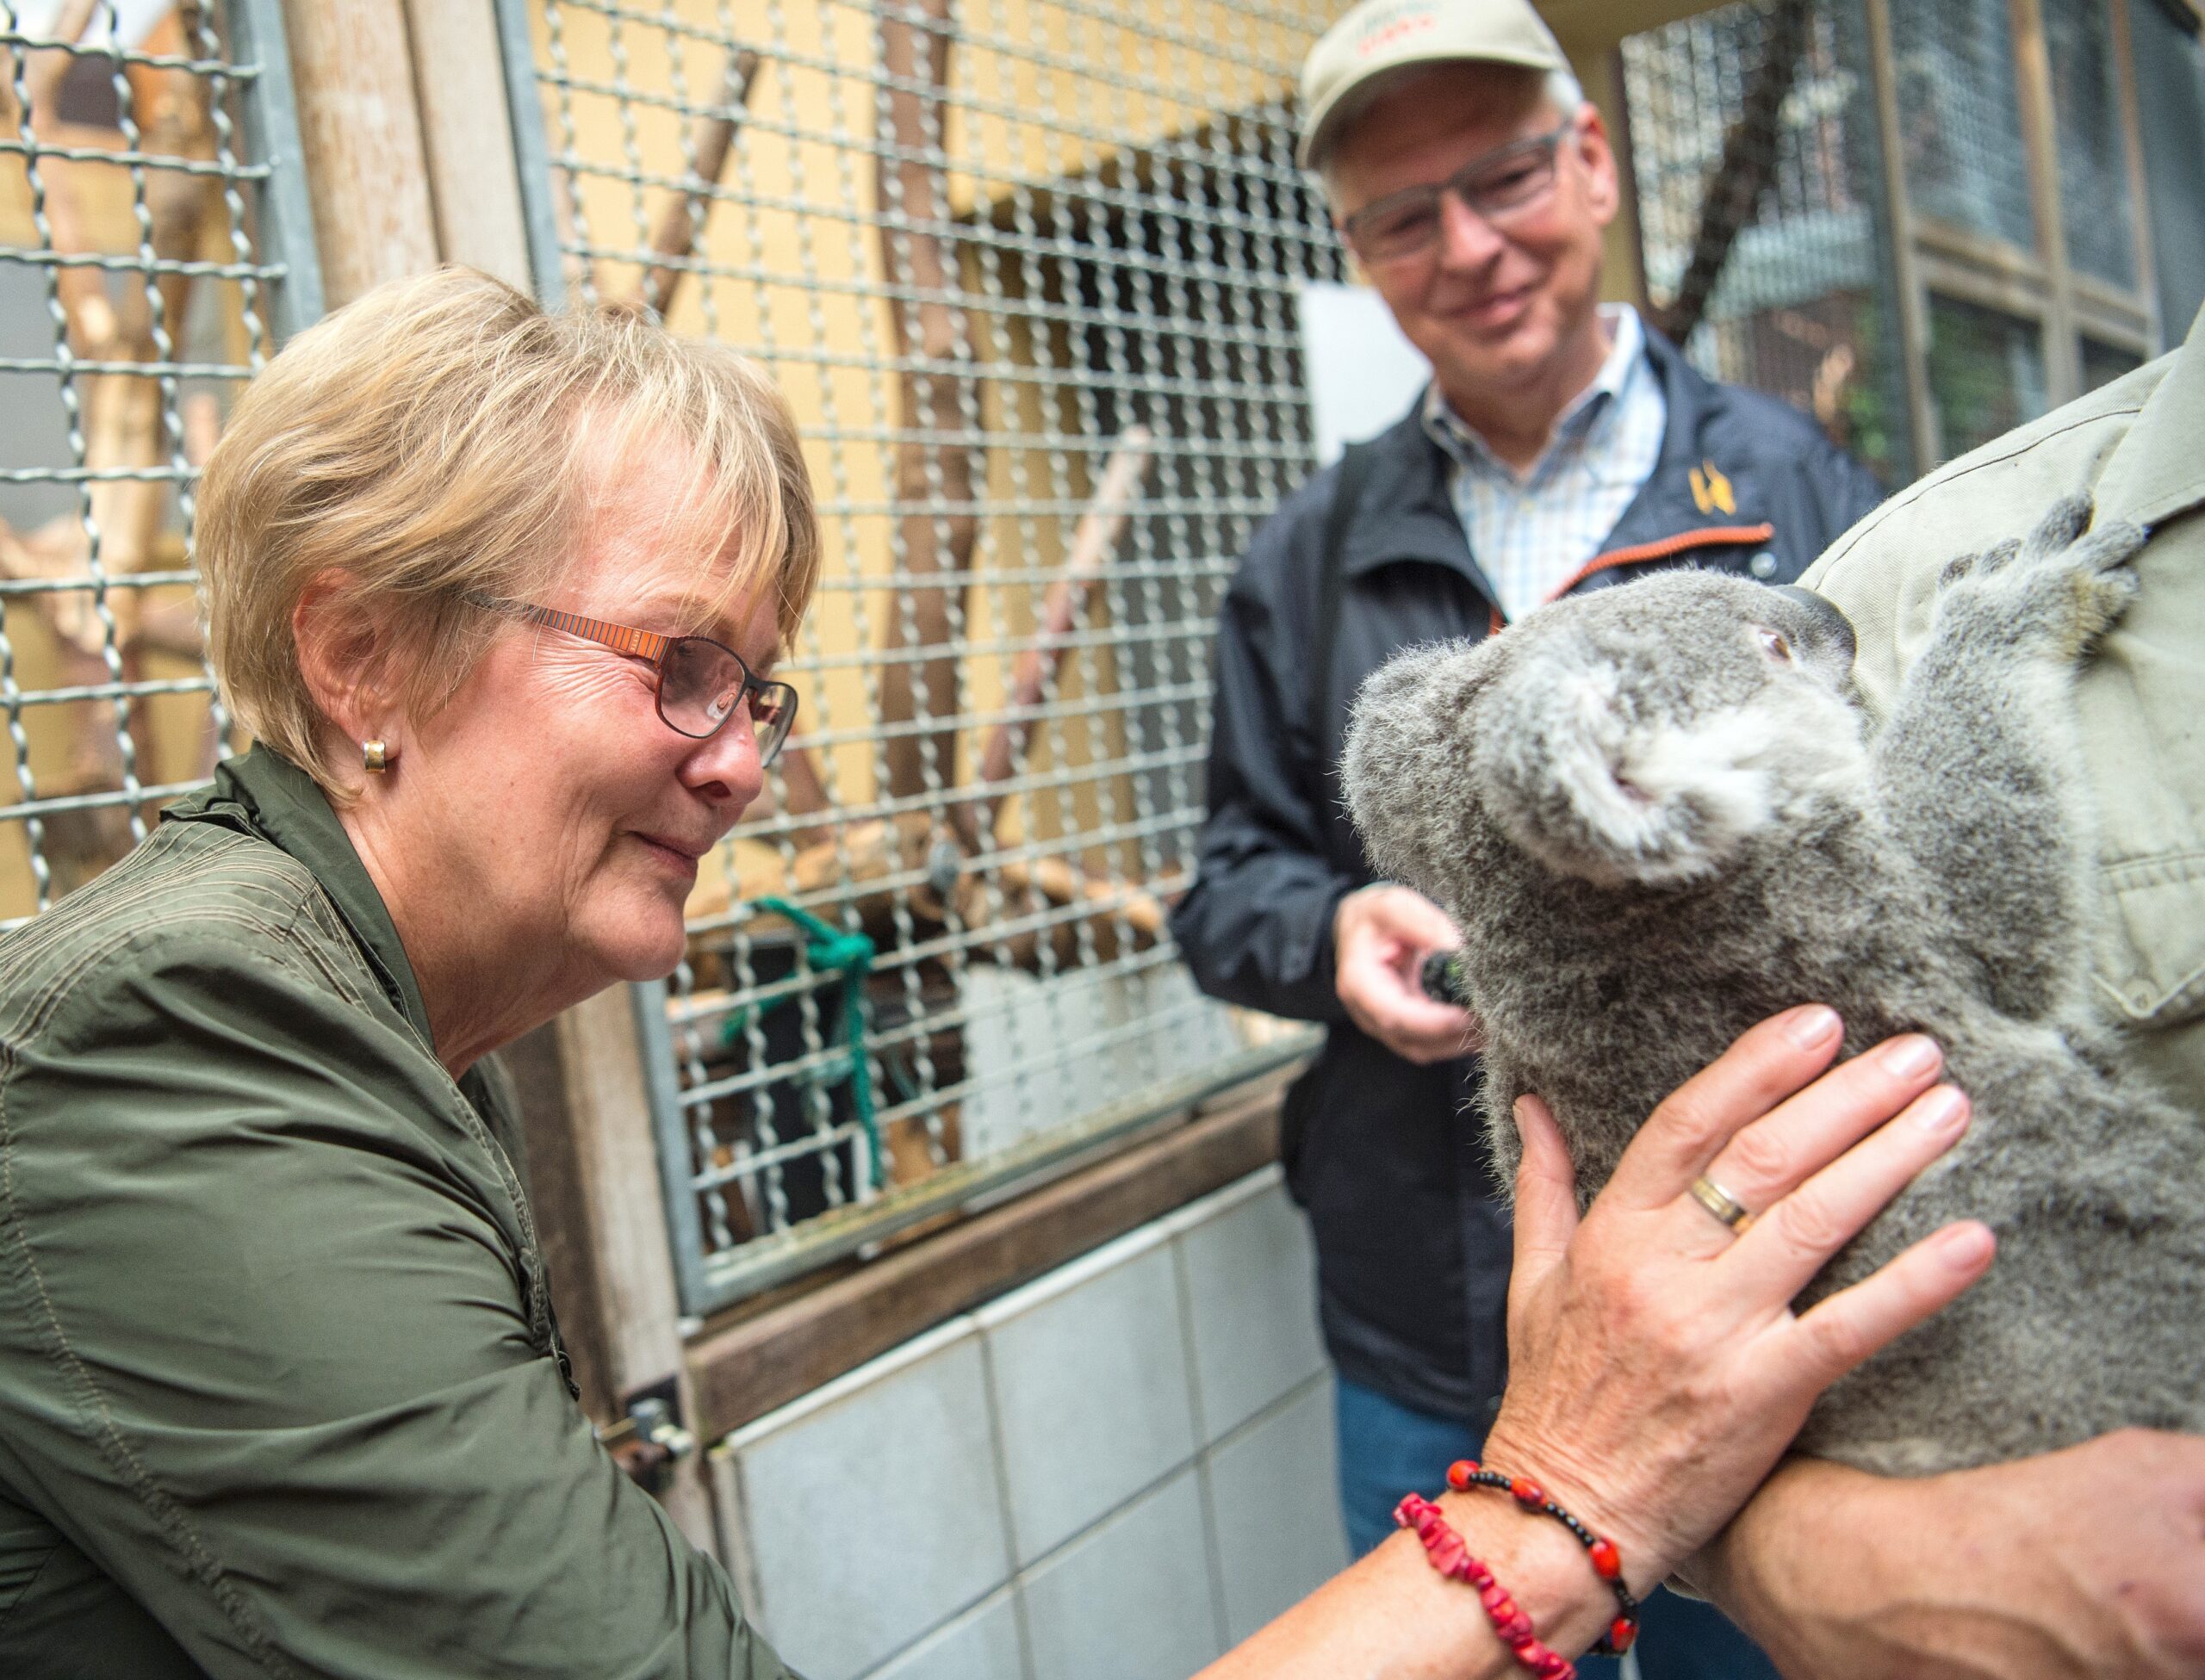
column 375, row 758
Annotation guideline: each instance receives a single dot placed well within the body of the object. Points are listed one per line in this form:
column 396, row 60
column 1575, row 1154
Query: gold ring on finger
column 1721, row 1204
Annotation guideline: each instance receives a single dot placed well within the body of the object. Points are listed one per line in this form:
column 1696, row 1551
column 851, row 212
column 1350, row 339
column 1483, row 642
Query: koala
column 1658, row 815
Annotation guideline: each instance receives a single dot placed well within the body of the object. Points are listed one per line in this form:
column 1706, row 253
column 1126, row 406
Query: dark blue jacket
column 1413, row 1250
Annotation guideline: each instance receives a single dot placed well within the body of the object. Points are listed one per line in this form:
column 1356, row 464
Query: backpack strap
column 1332, row 584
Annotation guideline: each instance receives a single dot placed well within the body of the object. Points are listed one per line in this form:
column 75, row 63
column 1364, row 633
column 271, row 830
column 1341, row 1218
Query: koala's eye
column 1776, row 645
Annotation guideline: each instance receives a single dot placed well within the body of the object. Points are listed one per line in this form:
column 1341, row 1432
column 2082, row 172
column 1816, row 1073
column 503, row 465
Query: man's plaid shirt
column 1533, row 535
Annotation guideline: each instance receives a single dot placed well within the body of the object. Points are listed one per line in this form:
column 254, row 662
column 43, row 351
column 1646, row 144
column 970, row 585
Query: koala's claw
column 1998, row 558
column 2066, row 582
column 1985, row 563
column 2065, row 521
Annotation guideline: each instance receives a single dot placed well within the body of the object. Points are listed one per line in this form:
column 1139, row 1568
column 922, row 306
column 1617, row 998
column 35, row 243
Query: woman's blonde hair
column 442, row 437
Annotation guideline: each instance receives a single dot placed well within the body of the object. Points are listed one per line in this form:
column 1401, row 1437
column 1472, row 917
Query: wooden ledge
column 743, row 1366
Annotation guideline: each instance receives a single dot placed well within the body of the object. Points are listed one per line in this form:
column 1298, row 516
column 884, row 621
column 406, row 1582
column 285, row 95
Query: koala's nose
column 1830, row 625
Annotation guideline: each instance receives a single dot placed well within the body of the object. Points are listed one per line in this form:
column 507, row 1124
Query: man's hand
column 2083, row 1564
column 1381, row 935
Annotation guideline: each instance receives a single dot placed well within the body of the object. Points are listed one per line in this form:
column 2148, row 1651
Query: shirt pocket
column 2151, row 957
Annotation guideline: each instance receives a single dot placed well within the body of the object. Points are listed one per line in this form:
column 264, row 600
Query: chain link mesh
column 2097, row 208
column 134, row 298
column 1026, row 270
column 1754, row 150
column 1959, row 98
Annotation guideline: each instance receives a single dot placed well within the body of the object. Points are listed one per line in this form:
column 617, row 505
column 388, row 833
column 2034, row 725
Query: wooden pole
column 711, row 138
column 467, row 137
column 360, row 130
column 932, row 469
column 1093, row 542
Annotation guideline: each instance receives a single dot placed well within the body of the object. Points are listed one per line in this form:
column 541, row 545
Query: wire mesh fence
column 1959, row 98
column 2098, row 214
column 1762, row 217
column 1026, row 270
column 146, row 268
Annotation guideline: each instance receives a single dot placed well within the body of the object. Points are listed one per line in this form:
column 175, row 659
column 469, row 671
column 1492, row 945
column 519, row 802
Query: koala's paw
column 2061, row 588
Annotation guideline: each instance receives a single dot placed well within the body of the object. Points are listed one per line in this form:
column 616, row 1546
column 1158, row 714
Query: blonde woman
column 498, row 596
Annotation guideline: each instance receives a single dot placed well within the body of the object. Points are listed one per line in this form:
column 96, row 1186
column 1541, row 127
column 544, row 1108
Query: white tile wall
column 1252, row 1300
column 1130, row 1599
column 1275, row 1509
column 982, row 1644
column 1109, row 1474
column 1089, row 1368
column 873, row 1512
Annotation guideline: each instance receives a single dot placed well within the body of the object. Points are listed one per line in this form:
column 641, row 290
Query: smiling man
column 1562, row 445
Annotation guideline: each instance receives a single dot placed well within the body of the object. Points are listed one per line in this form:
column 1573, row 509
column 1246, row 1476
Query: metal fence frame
column 271, row 113
column 707, row 1278
column 242, row 46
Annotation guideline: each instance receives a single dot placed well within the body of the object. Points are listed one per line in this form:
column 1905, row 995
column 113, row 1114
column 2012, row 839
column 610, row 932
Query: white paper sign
column 1362, row 373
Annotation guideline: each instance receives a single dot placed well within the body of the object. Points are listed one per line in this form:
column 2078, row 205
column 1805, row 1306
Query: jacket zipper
column 1707, row 536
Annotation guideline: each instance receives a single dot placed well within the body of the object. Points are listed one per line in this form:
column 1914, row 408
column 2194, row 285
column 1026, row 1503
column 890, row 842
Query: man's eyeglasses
column 701, row 684
column 1495, row 185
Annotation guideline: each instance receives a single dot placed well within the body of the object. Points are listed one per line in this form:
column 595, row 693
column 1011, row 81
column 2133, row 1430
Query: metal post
column 258, row 44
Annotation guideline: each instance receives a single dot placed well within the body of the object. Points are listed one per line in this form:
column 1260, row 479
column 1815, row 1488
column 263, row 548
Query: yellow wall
column 172, row 730
column 1043, row 94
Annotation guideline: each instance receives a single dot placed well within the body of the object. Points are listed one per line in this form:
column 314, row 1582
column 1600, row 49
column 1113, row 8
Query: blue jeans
column 1387, row 1449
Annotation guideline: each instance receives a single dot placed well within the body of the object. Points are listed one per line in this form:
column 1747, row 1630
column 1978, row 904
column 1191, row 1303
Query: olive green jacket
column 280, row 1390
column 2140, row 446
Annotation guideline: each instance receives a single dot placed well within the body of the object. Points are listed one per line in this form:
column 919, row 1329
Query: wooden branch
column 913, row 203
column 803, row 793
column 1093, row 544
column 1124, row 915
column 710, row 140
column 56, row 550
column 1746, row 170
column 82, row 292
column 78, row 845
column 172, row 628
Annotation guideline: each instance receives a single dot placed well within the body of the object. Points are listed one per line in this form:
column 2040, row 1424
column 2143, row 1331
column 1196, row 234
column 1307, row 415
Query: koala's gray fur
column 1655, row 828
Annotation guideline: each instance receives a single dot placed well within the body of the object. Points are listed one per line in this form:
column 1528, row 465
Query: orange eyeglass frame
column 621, row 638
column 651, row 646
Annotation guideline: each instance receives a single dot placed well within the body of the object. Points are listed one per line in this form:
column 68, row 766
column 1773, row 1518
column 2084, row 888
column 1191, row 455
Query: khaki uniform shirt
column 280, row 1390
column 2140, row 444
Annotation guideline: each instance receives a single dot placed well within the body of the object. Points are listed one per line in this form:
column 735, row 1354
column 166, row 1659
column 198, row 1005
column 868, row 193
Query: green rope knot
column 828, row 949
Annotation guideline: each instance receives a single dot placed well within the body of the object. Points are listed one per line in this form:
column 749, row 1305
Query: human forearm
column 1393, row 1615
column 1657, row 1369
column 2085, row 1563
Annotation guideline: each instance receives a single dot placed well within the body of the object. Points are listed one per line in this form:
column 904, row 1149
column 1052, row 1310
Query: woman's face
column 568, row 818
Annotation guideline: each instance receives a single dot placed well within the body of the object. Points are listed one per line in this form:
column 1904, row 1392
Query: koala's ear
column 1579, row 778
column 1404, row 766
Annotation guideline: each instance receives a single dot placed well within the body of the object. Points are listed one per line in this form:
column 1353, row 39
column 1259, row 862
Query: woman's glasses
column 1496, row 185
column 701, row 684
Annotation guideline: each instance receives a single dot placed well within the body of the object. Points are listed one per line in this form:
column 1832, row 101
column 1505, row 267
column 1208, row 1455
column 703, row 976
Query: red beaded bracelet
column 1607, row 1562
column 1452, row 1558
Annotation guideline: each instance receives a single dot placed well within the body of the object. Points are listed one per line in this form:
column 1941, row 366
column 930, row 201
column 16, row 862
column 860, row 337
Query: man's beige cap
column 1382, row 35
